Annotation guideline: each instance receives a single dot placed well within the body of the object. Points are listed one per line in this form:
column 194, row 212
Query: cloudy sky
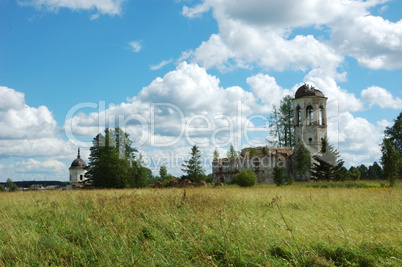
column 181, row 72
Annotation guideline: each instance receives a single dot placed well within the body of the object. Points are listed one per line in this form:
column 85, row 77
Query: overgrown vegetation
column 245, row 178
column 264, row 225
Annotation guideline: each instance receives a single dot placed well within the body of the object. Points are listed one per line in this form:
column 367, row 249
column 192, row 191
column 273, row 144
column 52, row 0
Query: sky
column 179, row 73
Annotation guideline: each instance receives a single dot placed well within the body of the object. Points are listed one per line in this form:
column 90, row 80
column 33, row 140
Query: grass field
column 264, row 225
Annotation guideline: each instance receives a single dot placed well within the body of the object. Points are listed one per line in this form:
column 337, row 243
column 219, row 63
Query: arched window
column 309, row 115
column 298, row 116
column 321, row 116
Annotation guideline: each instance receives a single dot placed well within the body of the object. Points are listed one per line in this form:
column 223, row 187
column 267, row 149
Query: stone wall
column 225, row 169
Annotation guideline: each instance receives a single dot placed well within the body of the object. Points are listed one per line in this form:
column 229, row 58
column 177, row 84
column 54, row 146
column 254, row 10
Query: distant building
column 77, row 170
column 310, row 128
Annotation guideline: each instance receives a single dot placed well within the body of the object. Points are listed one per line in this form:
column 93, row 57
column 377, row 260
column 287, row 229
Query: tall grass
column 264, row 225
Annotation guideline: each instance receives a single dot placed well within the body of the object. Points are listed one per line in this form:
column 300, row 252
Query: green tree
column 279, row 175
column 163, row 172
column 2, row 189
column 232, row 152
column 302, row 160
column 328, row 165
column 109, row 160
column 375, row 171
column 354, row 174
column 192, row 167
column 281, row 123
column 391, row 161
column 246, row 177
column 394, row 133
column 11, row 186
column 363, row 171
column 216, row 154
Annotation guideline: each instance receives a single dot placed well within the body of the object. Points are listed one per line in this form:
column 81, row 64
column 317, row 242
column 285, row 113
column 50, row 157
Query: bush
column 2, row 189
column 246, row 178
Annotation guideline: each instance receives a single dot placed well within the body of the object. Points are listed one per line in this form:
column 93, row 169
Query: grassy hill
column 264, row 225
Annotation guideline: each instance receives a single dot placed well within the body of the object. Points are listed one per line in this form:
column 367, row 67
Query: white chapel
column 77, row 169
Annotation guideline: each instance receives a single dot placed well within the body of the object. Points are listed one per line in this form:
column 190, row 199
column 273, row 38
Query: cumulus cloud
column 357, row 139
column 110, row 7
column 376, row 43
column 257, row 32
column 375, row 95
column 18, row 120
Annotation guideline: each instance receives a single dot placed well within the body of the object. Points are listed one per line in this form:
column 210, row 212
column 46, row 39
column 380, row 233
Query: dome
column 78, row 163
column 308, row 91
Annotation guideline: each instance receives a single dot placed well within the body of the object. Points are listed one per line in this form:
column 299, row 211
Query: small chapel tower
column 77, row 169
column 310, row 117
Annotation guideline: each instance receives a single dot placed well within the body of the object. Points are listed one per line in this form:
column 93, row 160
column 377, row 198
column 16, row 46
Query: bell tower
column 310, row 117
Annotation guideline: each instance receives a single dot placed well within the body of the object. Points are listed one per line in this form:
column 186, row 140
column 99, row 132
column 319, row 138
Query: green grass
column 263, row 225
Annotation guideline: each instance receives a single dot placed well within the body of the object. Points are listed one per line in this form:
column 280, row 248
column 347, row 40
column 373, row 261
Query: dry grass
column 264, row 225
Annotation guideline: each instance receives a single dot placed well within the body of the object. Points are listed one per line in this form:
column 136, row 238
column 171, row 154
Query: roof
column 308, row 91
column 78, row 163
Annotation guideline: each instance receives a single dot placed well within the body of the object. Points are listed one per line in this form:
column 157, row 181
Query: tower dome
column 78, row 163
column 308, row 91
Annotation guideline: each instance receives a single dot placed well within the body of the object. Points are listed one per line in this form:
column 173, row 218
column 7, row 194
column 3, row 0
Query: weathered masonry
column 310, row 128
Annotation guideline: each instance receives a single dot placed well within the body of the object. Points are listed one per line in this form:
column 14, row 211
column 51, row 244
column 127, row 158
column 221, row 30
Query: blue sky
column 203, row 59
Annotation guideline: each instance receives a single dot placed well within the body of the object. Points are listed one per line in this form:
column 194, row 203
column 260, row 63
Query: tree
column 245, row 177
column 394, row 133
column 281, row 123
column 375, row 171
column 302, row 160
column 163, row 172
column 111, row 161
column 279, row 175
column 2, row 189
column 354, row 174
column 363, row 171
column 192, row 167
column 390, row 161
column 328, row 165
column 11, row 186
column 232, row 152
column 216, row 154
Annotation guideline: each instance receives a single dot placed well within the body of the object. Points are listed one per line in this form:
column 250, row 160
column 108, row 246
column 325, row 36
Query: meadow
column 223, row 226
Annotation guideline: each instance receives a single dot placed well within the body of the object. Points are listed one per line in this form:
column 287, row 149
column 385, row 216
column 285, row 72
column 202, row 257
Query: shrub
column 246, row 178
column 291, row 180
column 279, row 175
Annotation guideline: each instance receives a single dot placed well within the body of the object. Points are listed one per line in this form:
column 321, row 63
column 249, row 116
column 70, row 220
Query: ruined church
column 310, row 128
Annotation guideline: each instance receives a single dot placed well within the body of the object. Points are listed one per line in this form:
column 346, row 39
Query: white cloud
column 10, row 98
column 379, row 96
column 195, row 11
column 32, row 165
column 94, row 17
column 160, row 65
column 18, row 120
column 253, row 32
column 110, row 7
column 135, row 46
column 357, row 139
column 375, row 42
column 266, row 89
